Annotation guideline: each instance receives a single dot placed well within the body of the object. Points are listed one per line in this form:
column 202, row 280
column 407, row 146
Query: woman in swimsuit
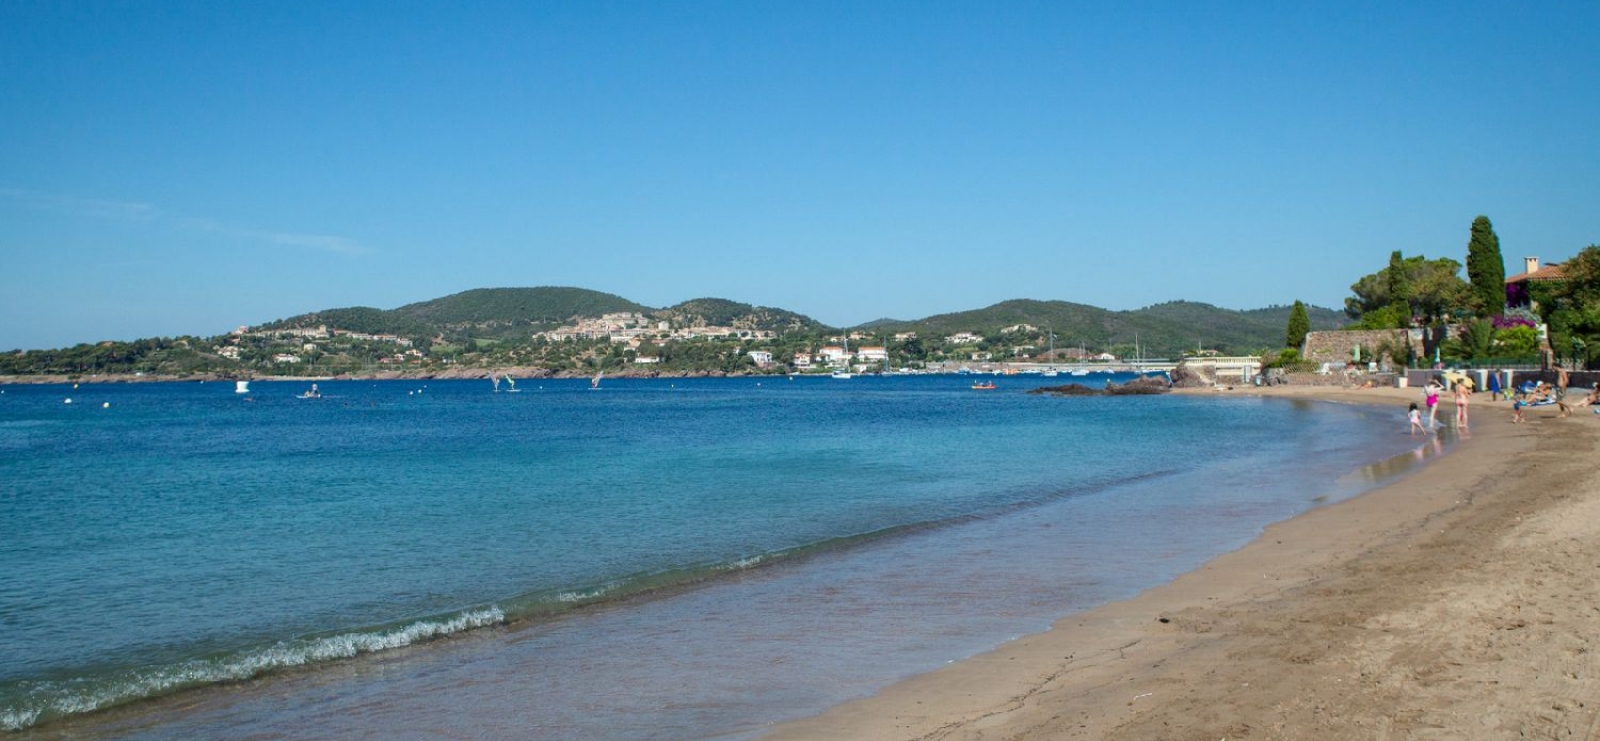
column 1432, row 391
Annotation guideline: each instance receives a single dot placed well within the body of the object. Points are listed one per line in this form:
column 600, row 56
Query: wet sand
column 1462, row 601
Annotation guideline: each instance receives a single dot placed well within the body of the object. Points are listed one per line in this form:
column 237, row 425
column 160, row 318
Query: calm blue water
column 684, row 537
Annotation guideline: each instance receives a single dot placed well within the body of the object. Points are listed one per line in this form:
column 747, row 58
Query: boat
column 512, row 382
column 496, row 381
column 594, row 383
column 842, row 374
column 845, row 372
column 311, row 393
column 984, row 386
column 1050, row 370
column 241, row 387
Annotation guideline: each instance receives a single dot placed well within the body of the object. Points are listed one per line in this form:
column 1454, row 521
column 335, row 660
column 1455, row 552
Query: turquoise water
column 687, row 535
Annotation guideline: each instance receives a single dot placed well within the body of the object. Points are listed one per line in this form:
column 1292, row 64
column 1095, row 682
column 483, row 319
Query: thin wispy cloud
column 113, row 210
column 96, row 207
column 324, row 242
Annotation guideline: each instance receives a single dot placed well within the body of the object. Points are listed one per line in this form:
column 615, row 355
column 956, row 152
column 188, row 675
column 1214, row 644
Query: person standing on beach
column 1431, row 395
column 1494, row 385
column 1561, row 391
column 1462, row 392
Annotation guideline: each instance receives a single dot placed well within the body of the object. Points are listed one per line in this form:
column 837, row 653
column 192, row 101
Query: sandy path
column 1461, row 602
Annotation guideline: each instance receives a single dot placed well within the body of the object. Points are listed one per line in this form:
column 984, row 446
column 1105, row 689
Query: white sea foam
column 586, row 595
column 750, row 562
column 73, row 697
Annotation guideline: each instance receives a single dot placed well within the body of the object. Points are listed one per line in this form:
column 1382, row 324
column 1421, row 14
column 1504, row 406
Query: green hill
column 724, row 313
column 1165, row 329
column 543, row 305
column 363, row 319
column 510, row 313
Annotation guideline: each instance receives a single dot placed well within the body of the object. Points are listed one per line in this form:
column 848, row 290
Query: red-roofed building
column 1517, row 285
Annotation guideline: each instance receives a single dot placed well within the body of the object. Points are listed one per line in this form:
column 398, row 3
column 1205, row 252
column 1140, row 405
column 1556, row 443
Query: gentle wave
column 38, row 701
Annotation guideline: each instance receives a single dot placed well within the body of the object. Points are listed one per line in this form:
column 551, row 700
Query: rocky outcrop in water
column 1137, row 387
column 1186, row 376
column 1071, row 389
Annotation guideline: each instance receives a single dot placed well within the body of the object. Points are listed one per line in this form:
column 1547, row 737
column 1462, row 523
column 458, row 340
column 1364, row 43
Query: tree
column 1434, row 291
column 1571, row 306
column 1299, row 326
column 1517, row 342
column 1399, row 284
column 1486, row 268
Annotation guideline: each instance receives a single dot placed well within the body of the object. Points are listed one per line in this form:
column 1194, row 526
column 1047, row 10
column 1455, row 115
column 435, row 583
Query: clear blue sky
column 187, row 167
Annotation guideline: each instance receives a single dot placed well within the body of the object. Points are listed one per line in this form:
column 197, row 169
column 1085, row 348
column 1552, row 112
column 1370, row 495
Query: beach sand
column 1460, row 602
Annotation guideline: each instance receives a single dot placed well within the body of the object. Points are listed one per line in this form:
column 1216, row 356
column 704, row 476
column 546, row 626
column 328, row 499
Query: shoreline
column 1395, row 612
column 456, row 374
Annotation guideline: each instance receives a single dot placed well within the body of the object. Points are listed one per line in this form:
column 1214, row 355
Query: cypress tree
column 1399, row 283
column 1485, row 268
column 1299, row 326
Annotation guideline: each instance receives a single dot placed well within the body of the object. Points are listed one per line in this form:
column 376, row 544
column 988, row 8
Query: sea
column 652, row 559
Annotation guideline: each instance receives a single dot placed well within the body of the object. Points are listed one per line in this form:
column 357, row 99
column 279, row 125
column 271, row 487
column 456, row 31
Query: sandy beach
column 1461, row 601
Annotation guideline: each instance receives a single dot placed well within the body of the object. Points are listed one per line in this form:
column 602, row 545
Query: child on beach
column 1415, row 415
column 1516, row 411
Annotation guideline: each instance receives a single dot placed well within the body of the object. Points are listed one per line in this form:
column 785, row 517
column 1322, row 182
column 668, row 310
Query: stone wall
column 1346, row 380
column 1339, row 346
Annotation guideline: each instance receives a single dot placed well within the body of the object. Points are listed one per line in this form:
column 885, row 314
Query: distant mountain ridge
column 1162, row 329
column 497, row 313
column 500, row 313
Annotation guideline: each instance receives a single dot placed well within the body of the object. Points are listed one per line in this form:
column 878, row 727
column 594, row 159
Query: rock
column 1071, row 389
column 1139, row 386
column 1186, row 376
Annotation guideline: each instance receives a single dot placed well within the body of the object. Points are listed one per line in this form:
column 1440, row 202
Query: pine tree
column 1299, row 326
column 1486, row 269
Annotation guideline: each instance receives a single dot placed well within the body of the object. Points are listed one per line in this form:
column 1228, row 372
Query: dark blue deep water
column 399, row 558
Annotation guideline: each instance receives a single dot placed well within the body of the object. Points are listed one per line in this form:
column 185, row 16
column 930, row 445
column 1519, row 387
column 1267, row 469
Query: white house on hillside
column 835, row 354
column 869, row 354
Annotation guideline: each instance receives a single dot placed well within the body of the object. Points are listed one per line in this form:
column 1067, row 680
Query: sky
column 183, row 168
